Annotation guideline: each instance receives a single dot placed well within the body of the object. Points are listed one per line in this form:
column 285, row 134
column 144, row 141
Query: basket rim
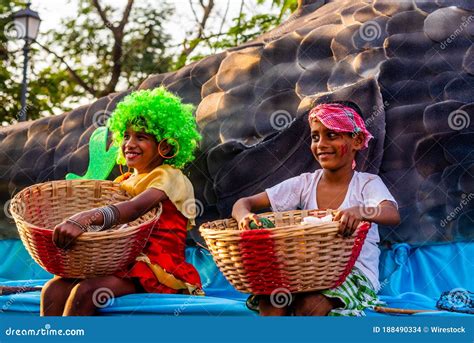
column 329, row 226
column 266, row 215
column 85, row 236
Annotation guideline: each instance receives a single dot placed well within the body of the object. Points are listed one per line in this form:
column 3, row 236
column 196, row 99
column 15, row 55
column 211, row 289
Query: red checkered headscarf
column 340, row 118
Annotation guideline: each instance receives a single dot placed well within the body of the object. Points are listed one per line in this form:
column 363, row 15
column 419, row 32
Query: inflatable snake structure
column 409, row 65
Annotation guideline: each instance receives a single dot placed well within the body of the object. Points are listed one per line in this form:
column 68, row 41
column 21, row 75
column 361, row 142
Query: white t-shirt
column 364, row 189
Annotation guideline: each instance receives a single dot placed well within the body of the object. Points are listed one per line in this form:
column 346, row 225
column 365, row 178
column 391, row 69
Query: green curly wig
column 161, row 114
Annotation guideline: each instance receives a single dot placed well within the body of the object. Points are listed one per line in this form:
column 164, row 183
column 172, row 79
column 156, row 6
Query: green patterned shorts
column 356, row 293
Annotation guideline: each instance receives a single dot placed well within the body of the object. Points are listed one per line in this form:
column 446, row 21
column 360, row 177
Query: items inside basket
column 311, row 218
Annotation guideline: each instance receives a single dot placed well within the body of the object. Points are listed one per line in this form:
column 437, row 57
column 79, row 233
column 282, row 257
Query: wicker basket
column 39, row 208
column 291, row 256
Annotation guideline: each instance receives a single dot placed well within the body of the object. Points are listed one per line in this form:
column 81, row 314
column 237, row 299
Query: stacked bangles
column 110, row 215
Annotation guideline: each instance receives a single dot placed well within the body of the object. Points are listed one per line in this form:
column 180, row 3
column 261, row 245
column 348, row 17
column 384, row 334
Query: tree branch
column 126, row 15
column 224, row 17
column 117, row 53
column 103, row 16
column 71, row 71
column 239, row 18
column 202, row 24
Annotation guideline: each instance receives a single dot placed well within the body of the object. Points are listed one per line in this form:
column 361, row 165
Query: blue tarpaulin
column 410, row 277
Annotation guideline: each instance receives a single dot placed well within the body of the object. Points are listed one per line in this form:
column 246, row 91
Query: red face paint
column 344, row 149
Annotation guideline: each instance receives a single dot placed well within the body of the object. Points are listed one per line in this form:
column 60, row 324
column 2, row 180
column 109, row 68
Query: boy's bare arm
column 246, row 206
column 386, row 213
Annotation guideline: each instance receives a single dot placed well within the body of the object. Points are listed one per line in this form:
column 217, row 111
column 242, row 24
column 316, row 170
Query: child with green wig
column 157, row 137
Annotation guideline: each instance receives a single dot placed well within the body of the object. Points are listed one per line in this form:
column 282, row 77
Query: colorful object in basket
column 270, row 258
column 266, row 223
column 39, row 208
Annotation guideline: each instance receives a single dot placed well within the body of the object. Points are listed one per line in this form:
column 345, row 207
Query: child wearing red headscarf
column 337, row 133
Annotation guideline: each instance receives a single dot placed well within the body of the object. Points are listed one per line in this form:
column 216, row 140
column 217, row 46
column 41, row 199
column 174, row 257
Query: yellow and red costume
column 162, row 268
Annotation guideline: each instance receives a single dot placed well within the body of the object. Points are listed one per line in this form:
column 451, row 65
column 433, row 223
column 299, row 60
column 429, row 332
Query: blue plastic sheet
column 428, row 270
column 410, row 277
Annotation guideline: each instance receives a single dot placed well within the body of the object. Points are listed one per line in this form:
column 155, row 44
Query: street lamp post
column 27, row 24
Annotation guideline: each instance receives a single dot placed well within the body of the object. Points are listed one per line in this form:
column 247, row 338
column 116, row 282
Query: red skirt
column 165, row 248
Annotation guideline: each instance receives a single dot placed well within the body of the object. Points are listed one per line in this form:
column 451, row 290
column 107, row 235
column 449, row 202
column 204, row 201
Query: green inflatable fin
column 101, row 160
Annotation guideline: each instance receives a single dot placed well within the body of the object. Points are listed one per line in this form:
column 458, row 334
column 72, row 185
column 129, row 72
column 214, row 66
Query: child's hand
column 350, row 219
column 244, row 223
column 65, row 234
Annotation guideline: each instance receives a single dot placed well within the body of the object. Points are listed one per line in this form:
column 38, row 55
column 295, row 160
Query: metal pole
column 22, row 116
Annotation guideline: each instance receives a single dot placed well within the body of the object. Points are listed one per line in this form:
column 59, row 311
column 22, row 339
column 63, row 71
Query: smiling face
column 140, row 150
column 333, row 150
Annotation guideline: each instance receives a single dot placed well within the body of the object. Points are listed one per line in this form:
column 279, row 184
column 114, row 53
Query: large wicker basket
column 39, row 208
column 291, row 256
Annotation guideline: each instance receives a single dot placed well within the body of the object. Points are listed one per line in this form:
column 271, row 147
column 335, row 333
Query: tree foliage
column 104, row 48
column 48, row 85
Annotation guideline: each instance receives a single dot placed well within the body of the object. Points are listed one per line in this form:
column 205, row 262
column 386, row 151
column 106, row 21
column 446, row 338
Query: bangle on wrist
column 110, row 215
column 76, row 223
